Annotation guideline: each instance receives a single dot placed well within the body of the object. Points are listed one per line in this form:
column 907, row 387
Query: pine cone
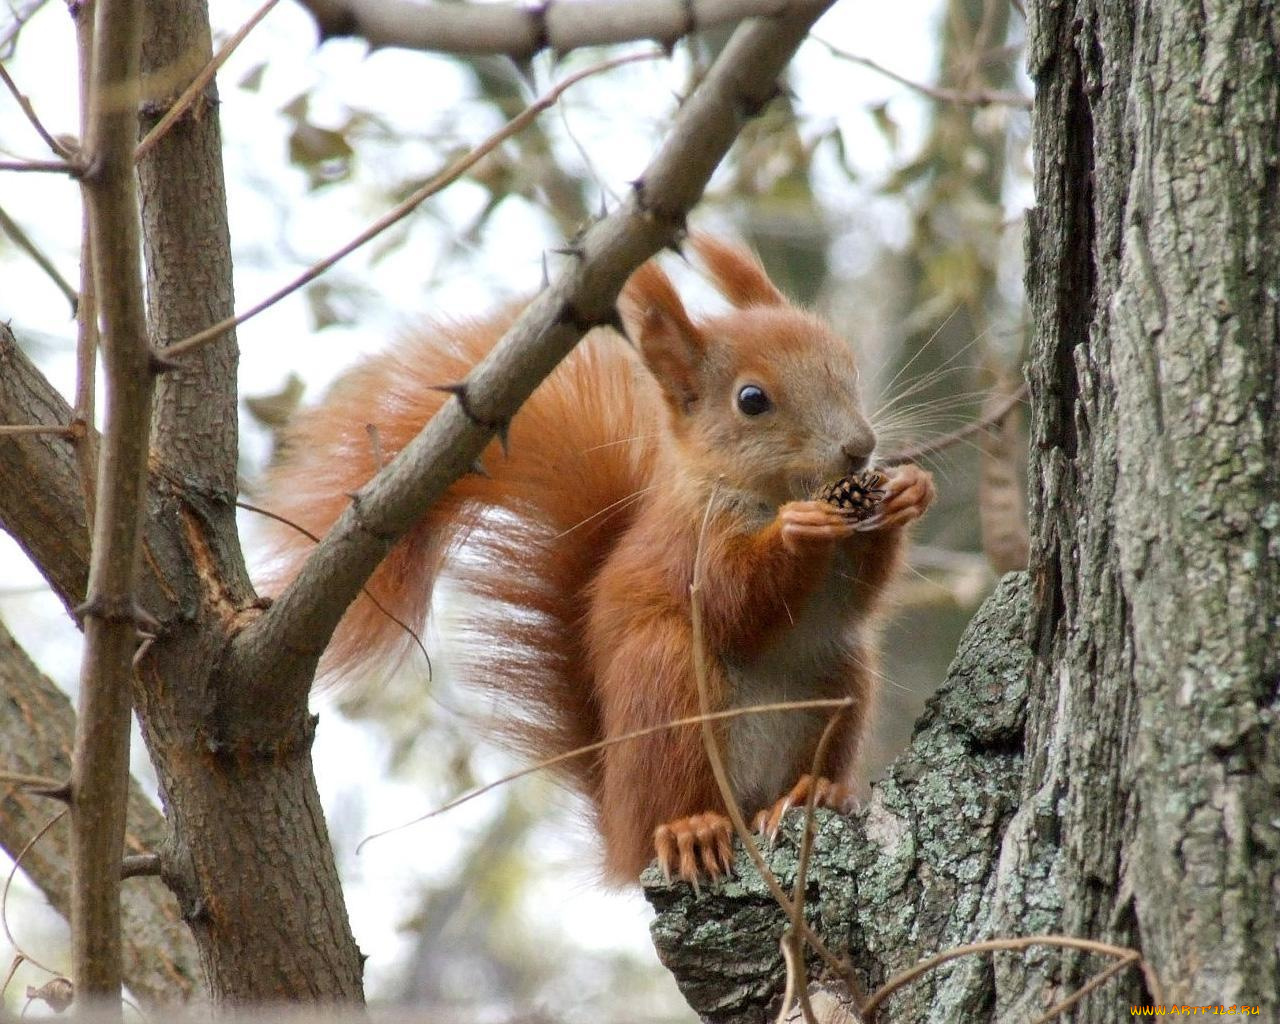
column 858, row 495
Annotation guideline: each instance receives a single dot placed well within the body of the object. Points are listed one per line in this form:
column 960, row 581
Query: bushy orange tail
column 524, row 543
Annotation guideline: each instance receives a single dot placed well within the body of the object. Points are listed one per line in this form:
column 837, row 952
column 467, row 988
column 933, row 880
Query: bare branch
column 100, row 763
column 25, row 429
column 11, row 228
column 520, row 30
column 42, row 166
column 963, row 97
column 30, row 111
column 86, row 451
column 41, row 504
column 285, row 644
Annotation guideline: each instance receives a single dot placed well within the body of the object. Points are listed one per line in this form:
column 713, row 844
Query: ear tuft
column 737, row 273
column 655, row 319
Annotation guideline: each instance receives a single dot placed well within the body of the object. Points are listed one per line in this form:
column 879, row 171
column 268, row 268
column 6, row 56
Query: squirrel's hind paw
column 701, row 844
column 830, row 794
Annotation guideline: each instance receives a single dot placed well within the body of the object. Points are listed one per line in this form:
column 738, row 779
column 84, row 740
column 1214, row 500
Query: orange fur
column 580, row 546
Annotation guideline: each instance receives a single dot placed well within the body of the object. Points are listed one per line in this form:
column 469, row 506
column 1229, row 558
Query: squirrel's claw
column 833, row 795
column 695, row 847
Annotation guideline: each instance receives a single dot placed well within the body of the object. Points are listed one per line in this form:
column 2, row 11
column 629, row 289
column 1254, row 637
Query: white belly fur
column 764, row 749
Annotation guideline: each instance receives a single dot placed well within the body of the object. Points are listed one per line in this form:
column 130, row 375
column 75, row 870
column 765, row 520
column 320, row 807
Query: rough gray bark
column 1145, row 810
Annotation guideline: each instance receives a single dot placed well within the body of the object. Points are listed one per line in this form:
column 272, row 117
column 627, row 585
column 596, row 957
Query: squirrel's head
column 764, row 397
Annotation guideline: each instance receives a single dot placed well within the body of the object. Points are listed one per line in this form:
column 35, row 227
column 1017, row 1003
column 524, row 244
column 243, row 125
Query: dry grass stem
column 906, row 977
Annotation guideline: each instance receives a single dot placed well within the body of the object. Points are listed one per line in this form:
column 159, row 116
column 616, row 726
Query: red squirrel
column 578, row 546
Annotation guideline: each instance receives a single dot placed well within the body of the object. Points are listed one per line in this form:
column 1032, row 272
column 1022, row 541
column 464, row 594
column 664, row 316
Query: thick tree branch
column 286, row 642
column 188, row 266
column 100, row 763
column 520, row 30
column 41, row 504
column 37, row 724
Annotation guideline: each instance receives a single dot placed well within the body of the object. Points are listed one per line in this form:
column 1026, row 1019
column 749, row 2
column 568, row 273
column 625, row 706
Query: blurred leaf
column 296, row 109
column 323, row 153
column 320, row 300
column 836, row 138
column 886, row 125
column 275, row 410
column 252, row 81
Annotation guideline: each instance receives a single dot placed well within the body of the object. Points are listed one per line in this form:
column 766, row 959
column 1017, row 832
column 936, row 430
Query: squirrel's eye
column 753, row 401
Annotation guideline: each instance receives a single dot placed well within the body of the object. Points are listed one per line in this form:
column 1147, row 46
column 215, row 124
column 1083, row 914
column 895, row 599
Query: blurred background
column 886, row 190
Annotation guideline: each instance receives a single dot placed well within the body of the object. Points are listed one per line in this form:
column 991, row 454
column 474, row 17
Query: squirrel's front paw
column 907, row 496
column 699, row 844
column 813, row 524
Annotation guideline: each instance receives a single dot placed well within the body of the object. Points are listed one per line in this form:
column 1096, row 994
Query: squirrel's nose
column 858, row 452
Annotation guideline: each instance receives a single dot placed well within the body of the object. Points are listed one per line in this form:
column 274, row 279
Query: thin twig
column 963, row 97
column 21, row 239
column 32, row 782
column 30, row 111
column 591, row 748
column 397, row 213
column 42, row 166
column 199, row 83
column 906, row 977
column 4, row 894
column 25, row 429
column 18, row 21
column 927, row 448
column 1099, row 979
column 284, row 521
column 792, row 939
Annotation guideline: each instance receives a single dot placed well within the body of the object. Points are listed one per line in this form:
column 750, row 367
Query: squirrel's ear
column 737, row 272
column 672, row 347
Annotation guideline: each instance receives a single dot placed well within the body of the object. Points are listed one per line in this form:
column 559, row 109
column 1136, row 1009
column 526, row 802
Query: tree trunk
column 1145, row 815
